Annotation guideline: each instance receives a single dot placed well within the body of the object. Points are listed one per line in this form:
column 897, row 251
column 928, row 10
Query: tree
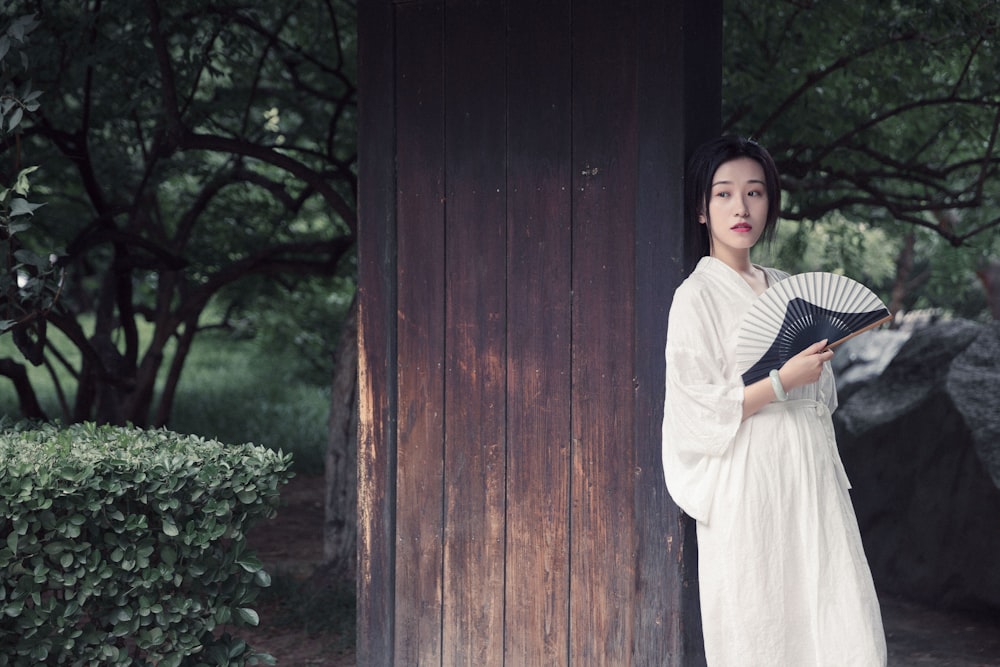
column 29, row 283
column 878, row 114
column 194, row 145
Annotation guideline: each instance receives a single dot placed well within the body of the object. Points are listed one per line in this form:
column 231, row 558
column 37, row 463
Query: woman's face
column 737, row 207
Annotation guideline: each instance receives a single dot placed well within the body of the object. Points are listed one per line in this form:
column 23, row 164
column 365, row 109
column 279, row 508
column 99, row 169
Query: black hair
column 701, row 168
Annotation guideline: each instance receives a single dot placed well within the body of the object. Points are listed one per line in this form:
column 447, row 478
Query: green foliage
column 194, row 148
column 29, row 283
column 844, row 247
column 941, row 277
column 236, row 387
column 122, row 546
column 13, row 105
column 881, row 116
column 299, row 324
column 236, row 390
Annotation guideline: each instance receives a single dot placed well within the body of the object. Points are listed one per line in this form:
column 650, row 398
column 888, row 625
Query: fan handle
column 859, row 331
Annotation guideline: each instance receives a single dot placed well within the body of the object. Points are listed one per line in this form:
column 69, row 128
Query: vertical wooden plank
column 702, row 85
column 660, row 567
column 539, row 324
column 376, row 335
column 421, row 335
column 604, row 149
column 475, row 373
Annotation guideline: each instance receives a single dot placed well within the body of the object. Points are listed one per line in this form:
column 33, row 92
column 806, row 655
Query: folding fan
column 801, row 310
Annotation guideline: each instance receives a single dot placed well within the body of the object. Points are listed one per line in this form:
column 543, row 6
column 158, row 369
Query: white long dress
column 783, row 576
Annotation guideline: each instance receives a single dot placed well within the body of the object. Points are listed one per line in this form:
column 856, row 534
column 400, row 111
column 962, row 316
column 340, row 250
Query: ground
column 291, row 545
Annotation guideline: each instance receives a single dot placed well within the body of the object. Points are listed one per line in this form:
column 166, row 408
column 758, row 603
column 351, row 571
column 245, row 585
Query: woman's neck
column 738, row 261
column 741, row 264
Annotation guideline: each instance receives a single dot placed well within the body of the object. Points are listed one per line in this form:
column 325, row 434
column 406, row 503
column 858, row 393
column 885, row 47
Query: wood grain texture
column 475, row 330
column 521, row 235
column 539, row 289
column 420, row 313
column 376, row 338
column 604, row 159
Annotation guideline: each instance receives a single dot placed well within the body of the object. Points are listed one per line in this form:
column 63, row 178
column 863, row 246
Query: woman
column 783, row 577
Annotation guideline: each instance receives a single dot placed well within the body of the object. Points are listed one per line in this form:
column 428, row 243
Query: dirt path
column 292, row 543
column 923, row 637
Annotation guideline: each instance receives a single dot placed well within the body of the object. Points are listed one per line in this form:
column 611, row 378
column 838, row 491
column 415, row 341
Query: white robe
column 783, row 577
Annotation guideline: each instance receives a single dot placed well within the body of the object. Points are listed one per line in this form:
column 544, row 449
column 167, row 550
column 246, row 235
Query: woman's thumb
column 816, row 347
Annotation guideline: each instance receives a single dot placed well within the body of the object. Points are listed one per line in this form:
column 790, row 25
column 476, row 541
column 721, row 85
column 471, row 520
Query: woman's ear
column 702, row 219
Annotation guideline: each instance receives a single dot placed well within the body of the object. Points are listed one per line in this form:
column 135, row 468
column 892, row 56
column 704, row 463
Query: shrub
column 120, row 546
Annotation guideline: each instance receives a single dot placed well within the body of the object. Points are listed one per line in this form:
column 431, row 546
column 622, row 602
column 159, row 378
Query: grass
column 231, row 390
column 234, row 391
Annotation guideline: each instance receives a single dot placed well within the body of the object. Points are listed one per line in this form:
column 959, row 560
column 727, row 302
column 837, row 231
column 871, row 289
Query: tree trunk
column 28, row 401
column 989, row 275
column 340, row 526
column 904, row 267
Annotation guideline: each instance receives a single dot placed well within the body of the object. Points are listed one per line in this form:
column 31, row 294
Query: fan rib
column 800, row 310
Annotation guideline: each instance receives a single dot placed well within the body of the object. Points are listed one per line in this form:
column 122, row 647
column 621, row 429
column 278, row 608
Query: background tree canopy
column 883, row 120
column 197, row 165
column 196, row 161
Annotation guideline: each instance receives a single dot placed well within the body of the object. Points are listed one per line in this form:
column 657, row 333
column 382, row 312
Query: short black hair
column 701, row 168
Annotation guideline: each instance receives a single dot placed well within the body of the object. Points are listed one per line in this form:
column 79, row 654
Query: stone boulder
column 921, row 444
column 863, row 358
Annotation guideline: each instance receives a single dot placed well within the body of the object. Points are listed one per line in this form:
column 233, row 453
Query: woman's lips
column 742, row 227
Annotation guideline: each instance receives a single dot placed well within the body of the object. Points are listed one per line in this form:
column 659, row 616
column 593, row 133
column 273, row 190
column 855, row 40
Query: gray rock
column 863, row 358
column 918, row 369
column 920, row 446
column 974, row 384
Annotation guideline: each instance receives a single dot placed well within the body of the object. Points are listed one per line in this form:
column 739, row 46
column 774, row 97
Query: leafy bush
column 120, row 546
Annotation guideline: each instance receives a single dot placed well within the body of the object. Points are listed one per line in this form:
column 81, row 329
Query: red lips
column 742, row 227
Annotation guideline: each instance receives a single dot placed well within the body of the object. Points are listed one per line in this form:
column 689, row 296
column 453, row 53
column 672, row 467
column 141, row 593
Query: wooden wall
column 520, row 201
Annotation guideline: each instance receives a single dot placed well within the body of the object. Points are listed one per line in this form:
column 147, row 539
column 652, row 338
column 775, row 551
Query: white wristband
column 779, row 390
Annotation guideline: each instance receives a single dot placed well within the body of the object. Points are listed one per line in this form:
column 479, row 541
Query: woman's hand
column 805, row 367
column 802, row 369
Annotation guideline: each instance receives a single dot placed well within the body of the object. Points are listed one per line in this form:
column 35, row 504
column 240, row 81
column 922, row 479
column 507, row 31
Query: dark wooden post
column 520, row 203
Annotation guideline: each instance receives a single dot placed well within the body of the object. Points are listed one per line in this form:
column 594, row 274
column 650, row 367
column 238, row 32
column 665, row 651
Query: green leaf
column 247, row 496
column 168, row 555
column 18, row 227
column 15, row 119
column 238, row 648
column 13, row 608
column 248, row 616
column 151, row 637
column 53, row 548
column 170, row 528
column 28, row 257
column 21, row 26
column 249, row 562
column 172, row 660
column 21, row 206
